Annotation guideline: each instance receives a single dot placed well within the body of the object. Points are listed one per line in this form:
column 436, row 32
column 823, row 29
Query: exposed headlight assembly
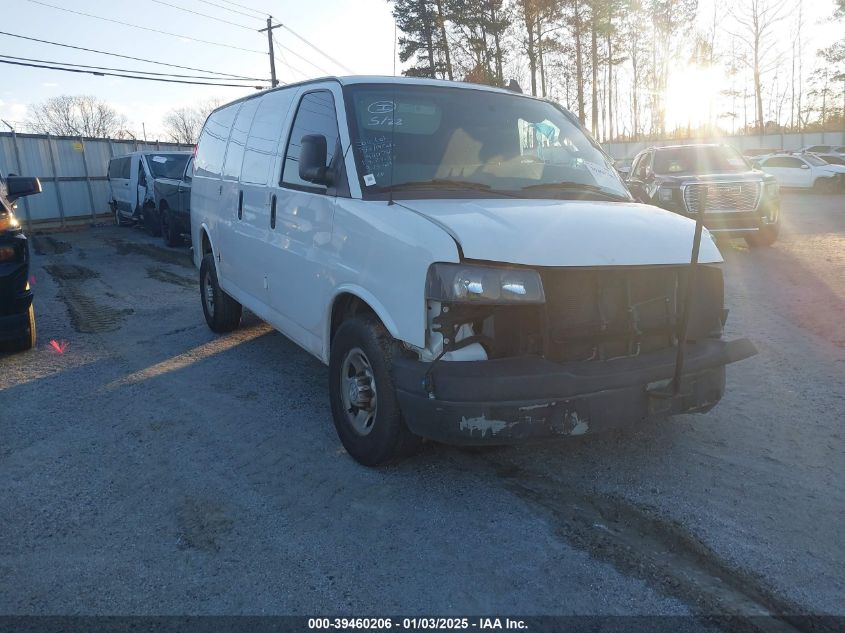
column 483, row 284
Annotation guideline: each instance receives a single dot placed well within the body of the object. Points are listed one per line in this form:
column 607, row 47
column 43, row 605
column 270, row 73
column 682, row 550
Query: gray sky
column 358, row 33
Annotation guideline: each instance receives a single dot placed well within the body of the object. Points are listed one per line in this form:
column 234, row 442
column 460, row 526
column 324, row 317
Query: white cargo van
column 131, row 185
column 465, row 259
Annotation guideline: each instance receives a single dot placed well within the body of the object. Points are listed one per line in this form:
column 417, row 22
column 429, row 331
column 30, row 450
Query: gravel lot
column 155, row 468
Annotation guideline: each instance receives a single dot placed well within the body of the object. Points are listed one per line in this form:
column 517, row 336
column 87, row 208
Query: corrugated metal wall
column 73, row 172
column 771, row 141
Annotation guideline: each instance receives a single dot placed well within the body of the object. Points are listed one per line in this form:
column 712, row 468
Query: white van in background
column 465, row 259
column 131, row 185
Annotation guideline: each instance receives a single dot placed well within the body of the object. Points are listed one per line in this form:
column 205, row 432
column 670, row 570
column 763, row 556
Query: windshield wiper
column 576, row 188
column 446, row 184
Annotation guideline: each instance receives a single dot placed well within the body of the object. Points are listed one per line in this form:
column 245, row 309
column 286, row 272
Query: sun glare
column 692, row 96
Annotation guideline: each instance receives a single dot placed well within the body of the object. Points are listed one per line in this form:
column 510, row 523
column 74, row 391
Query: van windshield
column 430, row 138
column 168, row 165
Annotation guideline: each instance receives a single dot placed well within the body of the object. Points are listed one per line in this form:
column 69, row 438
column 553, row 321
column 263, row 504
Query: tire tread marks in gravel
column 48, row 245
column 162, row 255
column 86, row 314
column 160, row 274
column 639, row 542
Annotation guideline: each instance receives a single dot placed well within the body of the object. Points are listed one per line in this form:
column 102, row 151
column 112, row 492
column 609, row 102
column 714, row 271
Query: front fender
column 367, row 297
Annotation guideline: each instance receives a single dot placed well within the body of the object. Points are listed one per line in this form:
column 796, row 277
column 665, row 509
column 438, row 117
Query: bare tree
column 183, row 125
column 756, row 20
column 76, row 115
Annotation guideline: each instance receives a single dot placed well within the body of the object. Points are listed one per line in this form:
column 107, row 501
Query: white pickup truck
column 464, row 258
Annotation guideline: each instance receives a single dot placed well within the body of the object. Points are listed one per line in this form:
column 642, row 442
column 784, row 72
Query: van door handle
column 273, row 212
column 240, row 205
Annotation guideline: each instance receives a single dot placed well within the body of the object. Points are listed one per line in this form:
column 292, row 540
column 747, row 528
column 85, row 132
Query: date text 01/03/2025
column 417, row 623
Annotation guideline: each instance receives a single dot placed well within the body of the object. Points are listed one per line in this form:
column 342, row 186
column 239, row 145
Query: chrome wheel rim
column 208, row 293
column 358, row 391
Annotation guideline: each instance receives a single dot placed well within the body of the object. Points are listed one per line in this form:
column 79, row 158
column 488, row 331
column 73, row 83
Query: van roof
column 350, row 80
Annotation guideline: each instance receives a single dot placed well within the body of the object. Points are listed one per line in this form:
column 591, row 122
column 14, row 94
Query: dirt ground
column 148, row 466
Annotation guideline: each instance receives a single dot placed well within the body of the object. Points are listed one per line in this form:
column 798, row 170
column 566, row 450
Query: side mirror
column 805, row 167
column 20, row 186
column 638, row 191
column 312, row 160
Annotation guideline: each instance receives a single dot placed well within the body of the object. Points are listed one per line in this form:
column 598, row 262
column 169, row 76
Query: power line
column 286, row 64
column 137, row 59
column 204, row 15
column 146, row 28
column 123, row 70
column 235, row 4
column 323, row 53
column 305, row 59
column 108, row 74
column 220, row 6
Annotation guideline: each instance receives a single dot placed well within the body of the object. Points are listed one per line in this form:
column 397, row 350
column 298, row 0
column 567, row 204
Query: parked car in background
column 740, row 201
column 17, row 314
column 804, row 171
column 832, row 159
column 757, row 153
column 131, row 178
column 173, row 204
column 825, row 149
column 465, row 259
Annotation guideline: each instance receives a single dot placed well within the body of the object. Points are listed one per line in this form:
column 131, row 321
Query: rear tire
column 222, row 313
column 365, row 408
column 118, row 220
column 27, row 341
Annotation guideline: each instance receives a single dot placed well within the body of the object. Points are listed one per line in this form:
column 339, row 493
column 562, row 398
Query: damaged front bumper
column 515, row 399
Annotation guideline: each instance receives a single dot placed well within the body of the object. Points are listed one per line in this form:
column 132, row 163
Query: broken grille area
column 600, row 314
column 729, row 196
column 596, row 314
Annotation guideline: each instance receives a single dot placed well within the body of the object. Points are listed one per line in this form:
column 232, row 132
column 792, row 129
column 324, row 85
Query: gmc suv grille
column 723, row 196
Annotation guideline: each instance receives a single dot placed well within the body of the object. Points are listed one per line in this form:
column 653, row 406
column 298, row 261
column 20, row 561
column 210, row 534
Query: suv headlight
column 483, row 284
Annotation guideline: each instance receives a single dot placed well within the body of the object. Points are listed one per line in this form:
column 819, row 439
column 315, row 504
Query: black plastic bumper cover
column 509, row 400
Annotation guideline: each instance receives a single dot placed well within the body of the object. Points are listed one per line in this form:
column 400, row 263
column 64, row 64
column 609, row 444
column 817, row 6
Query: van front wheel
column 222, row 313
column 365, row 408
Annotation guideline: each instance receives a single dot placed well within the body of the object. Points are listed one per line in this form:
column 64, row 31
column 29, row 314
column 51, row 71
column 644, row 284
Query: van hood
column 566, row 232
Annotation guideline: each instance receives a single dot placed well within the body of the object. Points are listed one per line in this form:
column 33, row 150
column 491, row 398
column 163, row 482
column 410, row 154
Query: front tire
column 766, row 235
column 222, row 312
column 168, row 230
column 152, row 220
column 825, row 185
column 365, row 408
column 27, row 341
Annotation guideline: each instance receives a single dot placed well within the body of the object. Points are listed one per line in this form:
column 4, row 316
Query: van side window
column 237, row 140
column 125, row 167
column 142, row 174
column 114, row 168
column 212, row 144
column 316, row 115
column 264, row 136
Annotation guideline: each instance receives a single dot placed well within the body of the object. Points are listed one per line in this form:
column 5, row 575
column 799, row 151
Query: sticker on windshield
column 159, row 159
column 603, row 176
column 369, row 180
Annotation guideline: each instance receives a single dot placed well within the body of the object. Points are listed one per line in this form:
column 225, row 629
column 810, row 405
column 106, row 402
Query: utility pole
column 273, row 81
